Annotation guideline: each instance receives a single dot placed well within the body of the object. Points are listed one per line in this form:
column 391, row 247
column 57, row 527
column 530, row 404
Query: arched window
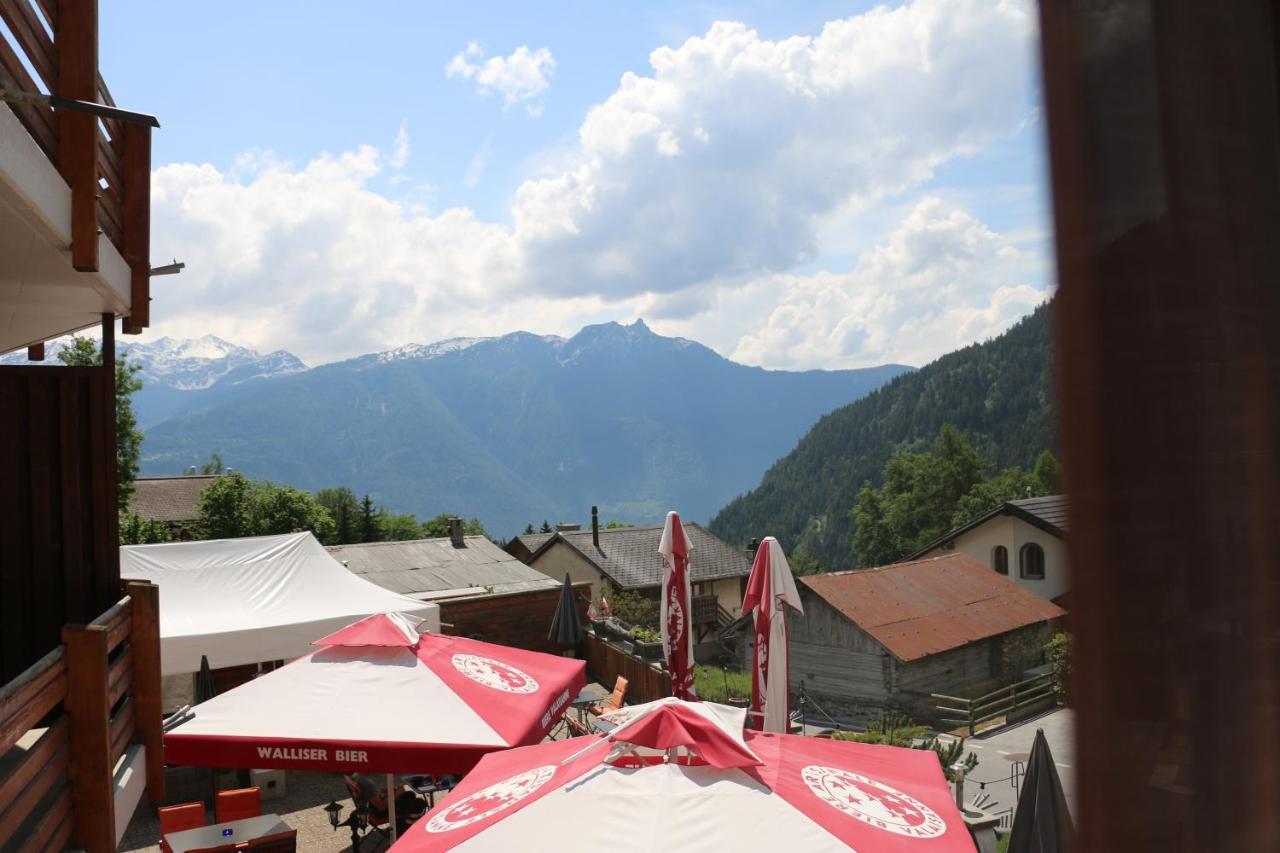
column 1031, row 562
column 1000, row 559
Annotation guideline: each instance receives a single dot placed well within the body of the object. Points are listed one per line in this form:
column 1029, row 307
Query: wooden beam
column 107, row 553
column 136, row 191
column 146, row 682
column 76, row 44
column 35, row 352
column 89, row 733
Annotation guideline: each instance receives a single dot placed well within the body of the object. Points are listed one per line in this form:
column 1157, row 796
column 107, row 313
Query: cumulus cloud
column 690, row 196
column 522, row 77
column 941, row 280
column 400, row 151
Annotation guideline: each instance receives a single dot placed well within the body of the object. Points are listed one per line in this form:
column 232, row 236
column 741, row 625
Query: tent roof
column 255, row 599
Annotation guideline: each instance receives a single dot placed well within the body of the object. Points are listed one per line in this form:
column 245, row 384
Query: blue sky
column 826, row 185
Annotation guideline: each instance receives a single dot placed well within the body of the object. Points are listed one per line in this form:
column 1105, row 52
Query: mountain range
column 511, row 429
column 999, row 392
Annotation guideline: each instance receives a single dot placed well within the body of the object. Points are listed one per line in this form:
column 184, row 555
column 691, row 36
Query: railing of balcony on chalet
column 67, row 720
column 51, row 47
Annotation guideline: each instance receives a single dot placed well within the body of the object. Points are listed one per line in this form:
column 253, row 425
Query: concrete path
column 998, row 750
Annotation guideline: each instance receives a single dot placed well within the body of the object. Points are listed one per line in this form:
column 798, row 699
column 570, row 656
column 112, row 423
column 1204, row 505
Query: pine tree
column 528, row 528
column 369, row 528
column 546, row 528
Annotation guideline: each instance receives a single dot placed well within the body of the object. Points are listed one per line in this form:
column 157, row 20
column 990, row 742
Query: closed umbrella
column 566, row 627
column 730, row 790
column 205, row 688
column 770, row 590
column 1042, row 823
column 677, row 609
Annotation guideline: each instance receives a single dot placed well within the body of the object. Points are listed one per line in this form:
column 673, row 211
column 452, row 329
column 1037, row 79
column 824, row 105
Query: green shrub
column 888, row 730
column 1058, row 651
column 714, row 684
column 630, row 607
column 645, row 635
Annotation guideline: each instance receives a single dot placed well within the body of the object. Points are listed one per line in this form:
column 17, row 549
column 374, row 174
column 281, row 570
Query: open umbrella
column 377, row 697
column 566, row 627
column 677, row 607
column 770, row 590
column 729, row 790
column 1041, row 823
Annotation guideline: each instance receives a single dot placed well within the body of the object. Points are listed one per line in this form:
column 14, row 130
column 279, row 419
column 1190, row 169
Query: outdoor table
column 426, row 787
column 231, row 832
column 589, row 696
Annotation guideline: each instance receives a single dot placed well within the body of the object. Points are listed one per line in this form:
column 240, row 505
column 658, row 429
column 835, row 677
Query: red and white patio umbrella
column 379, row 697
column 732, row 791
column 770, row 590
column 677, row 607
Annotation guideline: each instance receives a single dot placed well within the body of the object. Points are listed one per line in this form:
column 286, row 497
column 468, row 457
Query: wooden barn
column 889, row 637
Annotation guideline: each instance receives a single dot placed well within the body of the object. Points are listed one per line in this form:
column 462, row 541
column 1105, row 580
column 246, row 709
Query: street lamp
column 335, row 811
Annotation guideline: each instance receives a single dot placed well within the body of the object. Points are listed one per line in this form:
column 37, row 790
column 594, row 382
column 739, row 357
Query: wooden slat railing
column 605, row 662
column 94, row 695
column 106, row 162
column 1019, row 696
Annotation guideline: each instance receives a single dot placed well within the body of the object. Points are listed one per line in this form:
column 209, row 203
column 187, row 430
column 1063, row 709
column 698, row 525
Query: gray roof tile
column 420, row 566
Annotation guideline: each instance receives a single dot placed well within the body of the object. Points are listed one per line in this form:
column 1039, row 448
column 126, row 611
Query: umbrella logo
column 487, row 802
column 675, row 615
column 495, row 674
column 873, row 802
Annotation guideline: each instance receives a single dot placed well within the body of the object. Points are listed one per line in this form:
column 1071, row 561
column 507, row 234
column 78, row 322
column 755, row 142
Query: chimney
column 753, row 547
column 455, row 533
column 595, row 526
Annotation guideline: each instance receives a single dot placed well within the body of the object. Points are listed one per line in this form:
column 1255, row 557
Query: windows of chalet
column 1000, row 559
column 1031, row 562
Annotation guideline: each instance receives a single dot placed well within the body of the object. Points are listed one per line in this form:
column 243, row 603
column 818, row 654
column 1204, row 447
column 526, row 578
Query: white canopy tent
column 261, row 598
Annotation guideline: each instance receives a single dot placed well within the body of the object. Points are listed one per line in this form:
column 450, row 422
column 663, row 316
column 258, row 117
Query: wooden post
column 89, row 770
column 35, row 352
column 136, row 202
column 76, row 43
column 146, row 682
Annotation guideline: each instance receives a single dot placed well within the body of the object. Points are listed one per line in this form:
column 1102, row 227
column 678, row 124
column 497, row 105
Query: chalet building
column 80, row 738
column 1024, row 540
column 627, row 558
column 889, row 637
column 482, row 591
column 175, row 501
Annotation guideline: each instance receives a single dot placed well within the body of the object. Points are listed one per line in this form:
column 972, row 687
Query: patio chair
column 281, row 842
column 238, row 804
column 178, row 818
column 615, row 700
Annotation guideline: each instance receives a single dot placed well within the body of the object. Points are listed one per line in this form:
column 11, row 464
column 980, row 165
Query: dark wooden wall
column 59, row 560
column 1164, row 136
column 518, row 619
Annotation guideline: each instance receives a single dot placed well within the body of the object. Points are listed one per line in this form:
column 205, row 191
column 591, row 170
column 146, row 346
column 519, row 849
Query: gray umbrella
column 205, row 689
column 566, row 626
column 1042, row 823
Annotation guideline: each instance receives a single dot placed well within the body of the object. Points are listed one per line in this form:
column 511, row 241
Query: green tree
column 949, row 755
column 136, row 530
column 874, row 541
column 1011, row 484
column 344, row 509
column 284, row 509
column 438, row 527
column 546, row 528
column 617, row 525
column 1048, row 474
column 213, row 466
column 224, row 507
column 369, row 528
column 85, row 352
column 528, row 529
column 397, row 527
column 804, row 564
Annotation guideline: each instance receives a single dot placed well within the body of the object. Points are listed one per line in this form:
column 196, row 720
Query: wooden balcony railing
column 67, row 720
column 52, row 48
column 705, row 609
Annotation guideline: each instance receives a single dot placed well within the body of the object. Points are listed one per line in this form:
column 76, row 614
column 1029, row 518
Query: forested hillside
column 999, row 392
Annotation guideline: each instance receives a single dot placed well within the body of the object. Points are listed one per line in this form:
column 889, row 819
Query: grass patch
column 720, row 685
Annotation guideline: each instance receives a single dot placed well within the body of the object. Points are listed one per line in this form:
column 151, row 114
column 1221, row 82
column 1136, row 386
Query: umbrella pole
column 391, row 805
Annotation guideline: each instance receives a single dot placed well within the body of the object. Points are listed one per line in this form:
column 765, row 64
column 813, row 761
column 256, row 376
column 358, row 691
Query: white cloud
column 941, row 280
column 690, row 196
column 400, row 153
column 479, row 162
column 522, row 77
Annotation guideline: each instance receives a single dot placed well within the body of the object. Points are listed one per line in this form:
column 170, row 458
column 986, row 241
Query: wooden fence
column 66, row 721
column 1008, row 701
column 605, row 662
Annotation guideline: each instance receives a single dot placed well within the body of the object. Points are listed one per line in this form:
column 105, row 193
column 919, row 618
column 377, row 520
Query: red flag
column 677, row 610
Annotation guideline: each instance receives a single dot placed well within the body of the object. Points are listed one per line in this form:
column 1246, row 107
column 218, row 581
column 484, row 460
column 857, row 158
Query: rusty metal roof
column 928, row 606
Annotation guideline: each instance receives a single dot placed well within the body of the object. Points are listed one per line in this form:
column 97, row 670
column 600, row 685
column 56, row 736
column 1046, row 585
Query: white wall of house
column 560, row 558
column 1012, row 532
